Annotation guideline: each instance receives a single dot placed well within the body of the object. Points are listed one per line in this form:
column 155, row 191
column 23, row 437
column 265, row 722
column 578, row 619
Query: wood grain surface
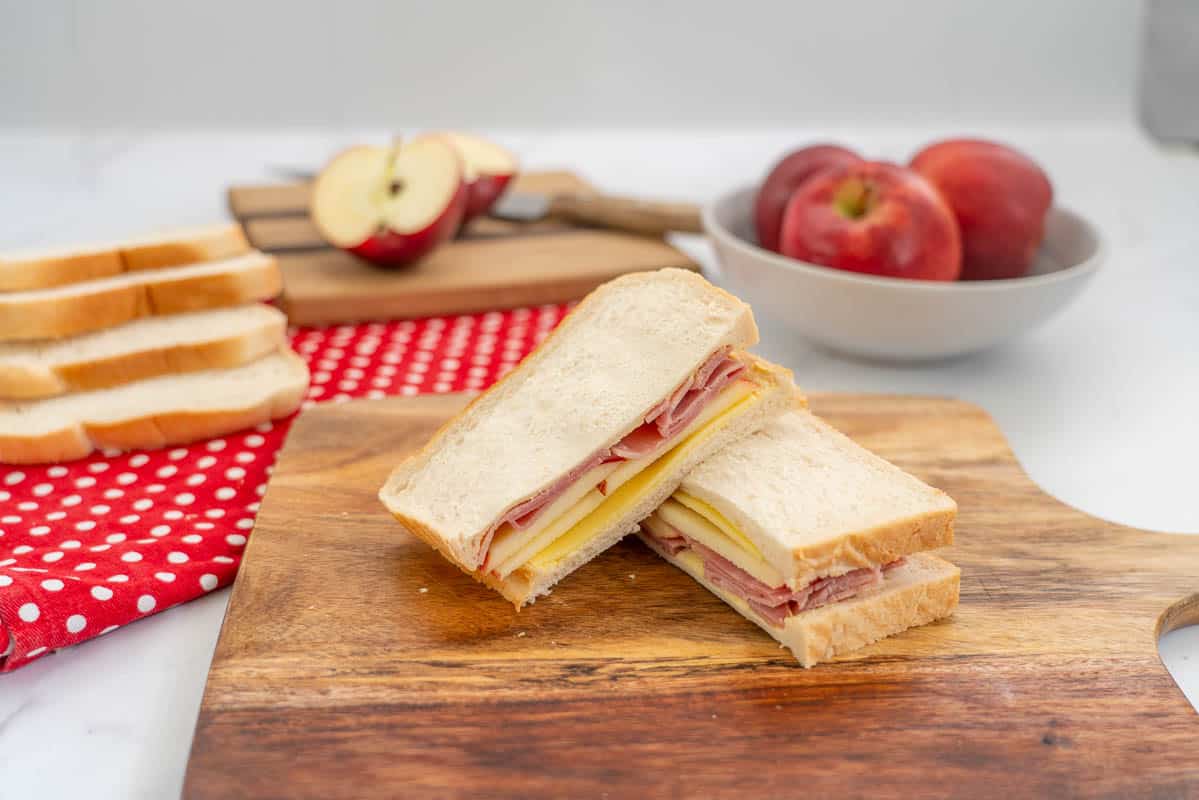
column 356, row 662
column 493, row 264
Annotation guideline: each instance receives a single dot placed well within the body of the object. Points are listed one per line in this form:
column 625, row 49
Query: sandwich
column 646, row 378
column 814, row 539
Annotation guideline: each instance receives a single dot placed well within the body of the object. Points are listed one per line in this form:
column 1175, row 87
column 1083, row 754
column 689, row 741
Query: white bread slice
column 172, row 409
column 921, row 590
column 95, row 305
column 622, row 350
column 144, row 348
column 46, row 268
column 815, row 503
column 777, row 395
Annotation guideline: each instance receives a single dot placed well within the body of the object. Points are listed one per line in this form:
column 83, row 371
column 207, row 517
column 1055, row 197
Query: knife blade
column 628, row 214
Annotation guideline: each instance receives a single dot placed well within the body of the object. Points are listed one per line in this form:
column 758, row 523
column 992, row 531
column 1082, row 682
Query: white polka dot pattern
column 89, row 546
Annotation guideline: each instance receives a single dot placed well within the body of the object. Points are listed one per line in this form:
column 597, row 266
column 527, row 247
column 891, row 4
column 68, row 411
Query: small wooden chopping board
column 356, row 662
column 492, row 265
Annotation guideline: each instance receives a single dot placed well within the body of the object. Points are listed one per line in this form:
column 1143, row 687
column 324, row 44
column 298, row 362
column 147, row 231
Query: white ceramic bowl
column 895, row 319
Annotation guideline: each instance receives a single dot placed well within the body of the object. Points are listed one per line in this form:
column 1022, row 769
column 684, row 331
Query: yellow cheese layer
column 548, row 533
column 740, row 396
column 712, row 515
column 698, row 527
column 512, row 548
column 510, row 541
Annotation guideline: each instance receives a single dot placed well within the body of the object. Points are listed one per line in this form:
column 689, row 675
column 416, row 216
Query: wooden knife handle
column 646, row 217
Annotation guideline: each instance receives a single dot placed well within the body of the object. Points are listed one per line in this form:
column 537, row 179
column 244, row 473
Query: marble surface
column 1098, row 404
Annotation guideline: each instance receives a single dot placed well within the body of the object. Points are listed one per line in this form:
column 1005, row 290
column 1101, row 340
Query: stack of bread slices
column 140, row 344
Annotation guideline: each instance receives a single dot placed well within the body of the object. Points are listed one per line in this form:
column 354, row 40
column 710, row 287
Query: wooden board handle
column 646, row 217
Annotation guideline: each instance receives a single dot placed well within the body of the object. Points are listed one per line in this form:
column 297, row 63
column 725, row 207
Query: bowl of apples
column 957, row 252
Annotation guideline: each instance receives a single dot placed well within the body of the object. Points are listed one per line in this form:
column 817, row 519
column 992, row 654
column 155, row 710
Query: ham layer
column 772, row 603
column 663, row 422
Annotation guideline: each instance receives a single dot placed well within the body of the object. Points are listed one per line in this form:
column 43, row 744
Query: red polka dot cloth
column 90, row 546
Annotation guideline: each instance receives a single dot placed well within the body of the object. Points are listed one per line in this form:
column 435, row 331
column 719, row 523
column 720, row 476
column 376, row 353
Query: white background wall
column 86, row 64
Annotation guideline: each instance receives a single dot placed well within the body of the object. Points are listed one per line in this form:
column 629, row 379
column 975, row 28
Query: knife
column 632, row 215
column 629, row 214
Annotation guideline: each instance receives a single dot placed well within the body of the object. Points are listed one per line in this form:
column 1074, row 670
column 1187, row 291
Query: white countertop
column 1099, row 405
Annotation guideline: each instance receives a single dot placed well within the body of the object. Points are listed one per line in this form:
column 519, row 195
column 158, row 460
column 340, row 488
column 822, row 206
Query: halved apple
column 391, row 205
column 487, row 167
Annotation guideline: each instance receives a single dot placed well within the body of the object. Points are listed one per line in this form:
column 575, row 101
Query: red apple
column 1000, row 198
column 391, row 205
column 876, row 218
column 487, row 170
column 782, row 181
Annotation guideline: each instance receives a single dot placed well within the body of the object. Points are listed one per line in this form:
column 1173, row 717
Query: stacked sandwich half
column 140, row 344
column 643, row 411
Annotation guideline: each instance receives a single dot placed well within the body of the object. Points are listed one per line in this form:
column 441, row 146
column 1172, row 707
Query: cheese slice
column 510, row 540
column 733, row 400
column 548, row 533
column 710, row 513
column 693, row 560
column 698, row 527
column 512, row 548
column 620, row 474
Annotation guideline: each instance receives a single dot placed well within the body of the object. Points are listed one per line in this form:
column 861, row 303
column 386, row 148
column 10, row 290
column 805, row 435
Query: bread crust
column 50, row 270
column 745, row 335
column 162, row 427
column 211, row 244
column 31, row 382
column 24, row 319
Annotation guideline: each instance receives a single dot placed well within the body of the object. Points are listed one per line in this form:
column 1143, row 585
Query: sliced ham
column 523, row 514
column 689, row 399
column 663, row 422
column 673, row 545
column 775, row 615
column 773, row 603
column 727, row 575
column 638, row 444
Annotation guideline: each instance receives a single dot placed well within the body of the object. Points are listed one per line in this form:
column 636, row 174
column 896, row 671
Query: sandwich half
column 647, row 377
column 816, row 540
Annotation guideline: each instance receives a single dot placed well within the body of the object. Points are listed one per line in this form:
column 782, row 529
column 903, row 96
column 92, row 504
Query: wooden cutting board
column 492, row 265
column 356, row 662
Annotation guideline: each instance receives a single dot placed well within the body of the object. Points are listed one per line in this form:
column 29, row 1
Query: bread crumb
column 632, row 576
column 519, row 634
column 423, row 590
column 713, row 716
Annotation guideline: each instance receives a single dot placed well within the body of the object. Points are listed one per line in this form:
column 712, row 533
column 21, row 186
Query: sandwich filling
column 554, row 522
column 698, row 533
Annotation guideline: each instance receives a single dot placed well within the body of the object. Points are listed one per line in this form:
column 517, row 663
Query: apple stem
column 394, row 185
column 854, row 198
